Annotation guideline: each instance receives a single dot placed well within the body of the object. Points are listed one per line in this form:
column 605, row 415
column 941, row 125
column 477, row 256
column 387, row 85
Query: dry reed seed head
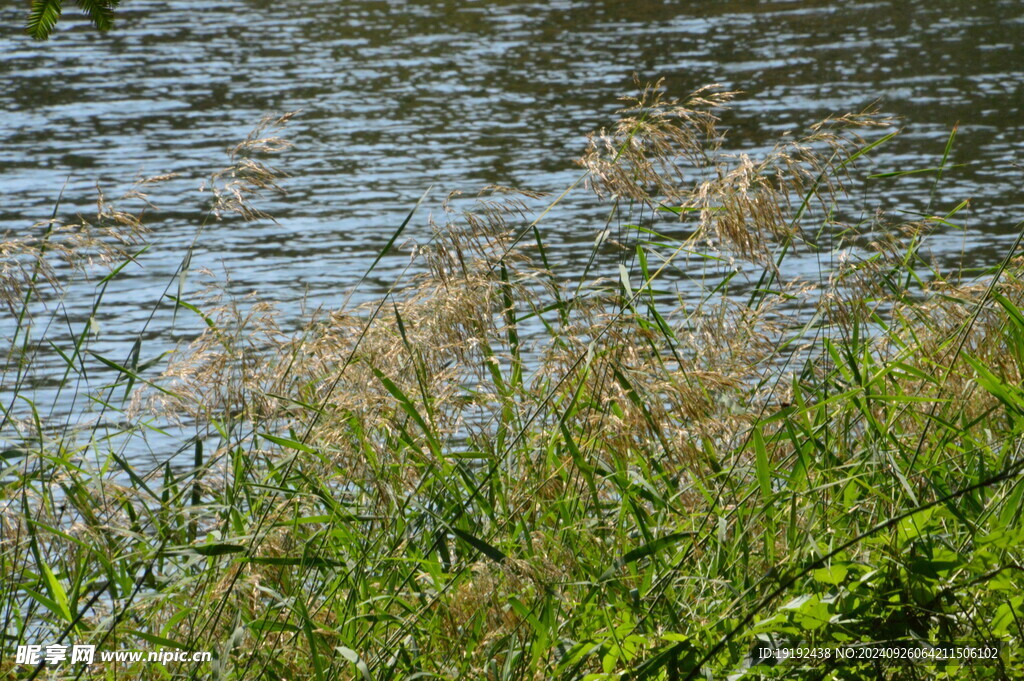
column 475, row 239
column 657, row 148
column 444, row 329
column 235, row 187
column 847, row 124
column 665, row 152
column 707, row 395
column 39, row 259
column 483, row 596
column 749, row 205
column 855, row 291
column 231, row 367
column 153, row 180
column 742, row 212
column 859, row 287
column 934, row 332
column 259, row 141
column 513, row 193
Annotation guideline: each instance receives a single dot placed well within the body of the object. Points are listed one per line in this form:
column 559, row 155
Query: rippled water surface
column 398, row 96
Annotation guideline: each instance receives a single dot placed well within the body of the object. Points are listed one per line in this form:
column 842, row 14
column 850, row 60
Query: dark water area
column 396, row 97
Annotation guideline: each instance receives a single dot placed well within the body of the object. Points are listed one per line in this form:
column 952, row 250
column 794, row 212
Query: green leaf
column 764, row 473
column 182, row 278
column 312, row 637
column 409, row 408
column 305, row 561
column 56, row 589
column 101, row 12
column 47, row 602
column 1009, row 395
column 808, row 611
column 43, row 17
column 1006, row 616
column 624, row 280
column 289, row 443
column 678, row 658
column 207, row 550
column 353, row 657
column 129, row 373
column 914, row 526
column 867, row 149
column 178, row 302
column 272, row 625
column 217, row 549
column 648, row 549
column 834, row 574
column 480, row 545
column 160, row 640
column 393, row 239
column 901, row 173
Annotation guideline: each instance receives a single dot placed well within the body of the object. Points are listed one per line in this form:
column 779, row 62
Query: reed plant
column 654, row 469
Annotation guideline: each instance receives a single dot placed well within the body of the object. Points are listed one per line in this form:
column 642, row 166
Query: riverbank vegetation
column 691, row 451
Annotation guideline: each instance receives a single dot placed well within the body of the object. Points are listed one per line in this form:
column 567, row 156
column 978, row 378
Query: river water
column 396, row 97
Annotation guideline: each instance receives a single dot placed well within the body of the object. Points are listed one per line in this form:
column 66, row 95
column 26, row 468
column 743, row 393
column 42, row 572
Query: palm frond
column 42, row 18
column 100, row 11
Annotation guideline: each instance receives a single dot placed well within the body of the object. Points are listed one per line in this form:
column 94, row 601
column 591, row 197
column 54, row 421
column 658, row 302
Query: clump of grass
column 494, row 472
